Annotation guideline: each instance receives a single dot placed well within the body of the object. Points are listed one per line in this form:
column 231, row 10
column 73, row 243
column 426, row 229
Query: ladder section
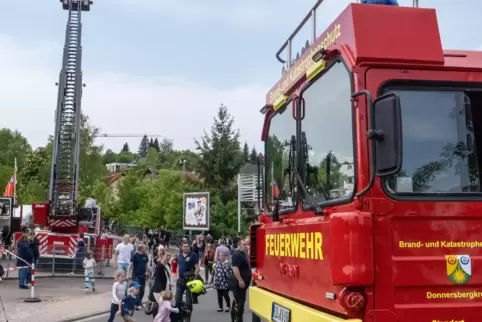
column 65, row 160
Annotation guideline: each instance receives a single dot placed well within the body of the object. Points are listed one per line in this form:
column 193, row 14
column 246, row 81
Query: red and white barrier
column 32, row 288
column 5, row 251
column 9, row 269
column 32, row 298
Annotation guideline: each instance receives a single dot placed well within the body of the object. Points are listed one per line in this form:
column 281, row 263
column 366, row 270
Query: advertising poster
column 196, row 211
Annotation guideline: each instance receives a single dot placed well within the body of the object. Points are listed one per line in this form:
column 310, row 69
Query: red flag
column 10, row 188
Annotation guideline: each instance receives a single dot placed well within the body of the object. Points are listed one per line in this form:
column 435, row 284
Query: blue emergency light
column 386, row 2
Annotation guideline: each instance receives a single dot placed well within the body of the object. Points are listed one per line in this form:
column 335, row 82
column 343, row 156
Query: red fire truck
column 62, row 218
column 374, row 144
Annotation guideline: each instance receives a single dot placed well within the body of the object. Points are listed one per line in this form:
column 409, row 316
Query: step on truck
column 373, row 162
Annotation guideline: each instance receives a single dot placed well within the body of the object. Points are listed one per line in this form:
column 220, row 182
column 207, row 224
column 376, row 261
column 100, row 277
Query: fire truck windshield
column 442, row 140
column 328, row 126
column 282, row 127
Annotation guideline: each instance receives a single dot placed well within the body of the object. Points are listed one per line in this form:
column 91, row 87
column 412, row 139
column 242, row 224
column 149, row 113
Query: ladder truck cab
column 7, row 206
column 62, row 217
column 373, row 145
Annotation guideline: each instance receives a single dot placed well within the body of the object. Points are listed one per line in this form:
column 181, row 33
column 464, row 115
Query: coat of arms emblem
column 459, row 268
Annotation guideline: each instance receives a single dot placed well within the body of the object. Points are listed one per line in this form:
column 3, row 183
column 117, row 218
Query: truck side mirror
column 387, row 134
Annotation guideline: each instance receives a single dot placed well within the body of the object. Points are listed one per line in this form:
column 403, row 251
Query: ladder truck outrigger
column 62, row 217
column 374, row 135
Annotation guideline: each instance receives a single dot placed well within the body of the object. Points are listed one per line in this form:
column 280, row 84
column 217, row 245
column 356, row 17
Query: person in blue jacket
column 386, row 2
column 25, row 252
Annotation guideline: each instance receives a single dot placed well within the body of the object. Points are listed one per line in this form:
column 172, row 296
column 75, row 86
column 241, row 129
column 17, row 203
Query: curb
column 55, row 276
column 93, row 315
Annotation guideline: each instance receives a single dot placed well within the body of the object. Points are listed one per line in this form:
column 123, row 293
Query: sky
column 164, row 67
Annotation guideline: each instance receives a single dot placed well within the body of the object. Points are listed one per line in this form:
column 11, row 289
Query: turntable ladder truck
column 61, row 216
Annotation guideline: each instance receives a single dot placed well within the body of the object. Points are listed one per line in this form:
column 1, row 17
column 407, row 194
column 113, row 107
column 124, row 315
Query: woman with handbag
column 222, row 272
column 162, row 282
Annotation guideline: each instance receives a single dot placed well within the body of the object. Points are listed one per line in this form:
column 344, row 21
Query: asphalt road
column 205, row 311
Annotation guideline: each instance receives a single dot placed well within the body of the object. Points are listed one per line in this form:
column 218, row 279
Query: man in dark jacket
column 24, row 251
column 140, row 269
column 34, row 244
column 239, row 280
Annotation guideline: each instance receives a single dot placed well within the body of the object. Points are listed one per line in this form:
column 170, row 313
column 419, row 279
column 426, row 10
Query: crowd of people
column 171, row 276
column 152, row 268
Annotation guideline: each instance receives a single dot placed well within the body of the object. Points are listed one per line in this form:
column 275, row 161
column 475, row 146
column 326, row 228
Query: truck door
column 427, row 219
column 6, row 214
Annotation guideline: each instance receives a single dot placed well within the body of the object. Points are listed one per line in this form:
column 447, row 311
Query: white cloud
column 117, row 103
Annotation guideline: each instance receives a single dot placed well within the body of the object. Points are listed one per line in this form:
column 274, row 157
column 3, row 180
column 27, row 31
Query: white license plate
column 280, row 314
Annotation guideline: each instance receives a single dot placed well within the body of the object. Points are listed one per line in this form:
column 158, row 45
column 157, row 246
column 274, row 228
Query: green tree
column 34, row 177
column 156, row 145
column 13, row 145
column 166, row 154
column 110, row 157
column 253, row 157
column 125, row 148
column 166, row 146
column 143, row 147
column 246, row 152
column 152, row 158
column 125, row 157
column 91, row 165
column 220, row 155
column 329, row 172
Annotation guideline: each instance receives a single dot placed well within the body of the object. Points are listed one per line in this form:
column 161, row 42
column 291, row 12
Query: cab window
column 327, row 137
column 442, row 140
column 279, row 159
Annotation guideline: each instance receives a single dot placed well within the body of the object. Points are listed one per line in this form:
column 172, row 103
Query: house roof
column 114, row 177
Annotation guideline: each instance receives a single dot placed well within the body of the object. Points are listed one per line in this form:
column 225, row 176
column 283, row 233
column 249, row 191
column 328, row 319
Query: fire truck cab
column 373, row 138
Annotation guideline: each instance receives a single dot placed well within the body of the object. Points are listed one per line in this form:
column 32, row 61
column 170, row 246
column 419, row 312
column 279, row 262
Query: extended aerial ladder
column 61, row 213
column 64, row 177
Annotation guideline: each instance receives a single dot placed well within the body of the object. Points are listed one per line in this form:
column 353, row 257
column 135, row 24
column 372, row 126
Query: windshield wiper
column 295, row 174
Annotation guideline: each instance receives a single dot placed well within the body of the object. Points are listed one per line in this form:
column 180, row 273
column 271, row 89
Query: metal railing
column 311, row 16
column 60, row 262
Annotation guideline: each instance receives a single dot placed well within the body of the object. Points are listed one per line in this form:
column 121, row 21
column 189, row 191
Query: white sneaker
column 71, row 274
column 86, row 290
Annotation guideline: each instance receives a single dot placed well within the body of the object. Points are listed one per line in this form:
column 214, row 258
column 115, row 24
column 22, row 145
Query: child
column 89, row 264
column 165, row 308
column 130, row 303
column 118, row 293
column 174, row 266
